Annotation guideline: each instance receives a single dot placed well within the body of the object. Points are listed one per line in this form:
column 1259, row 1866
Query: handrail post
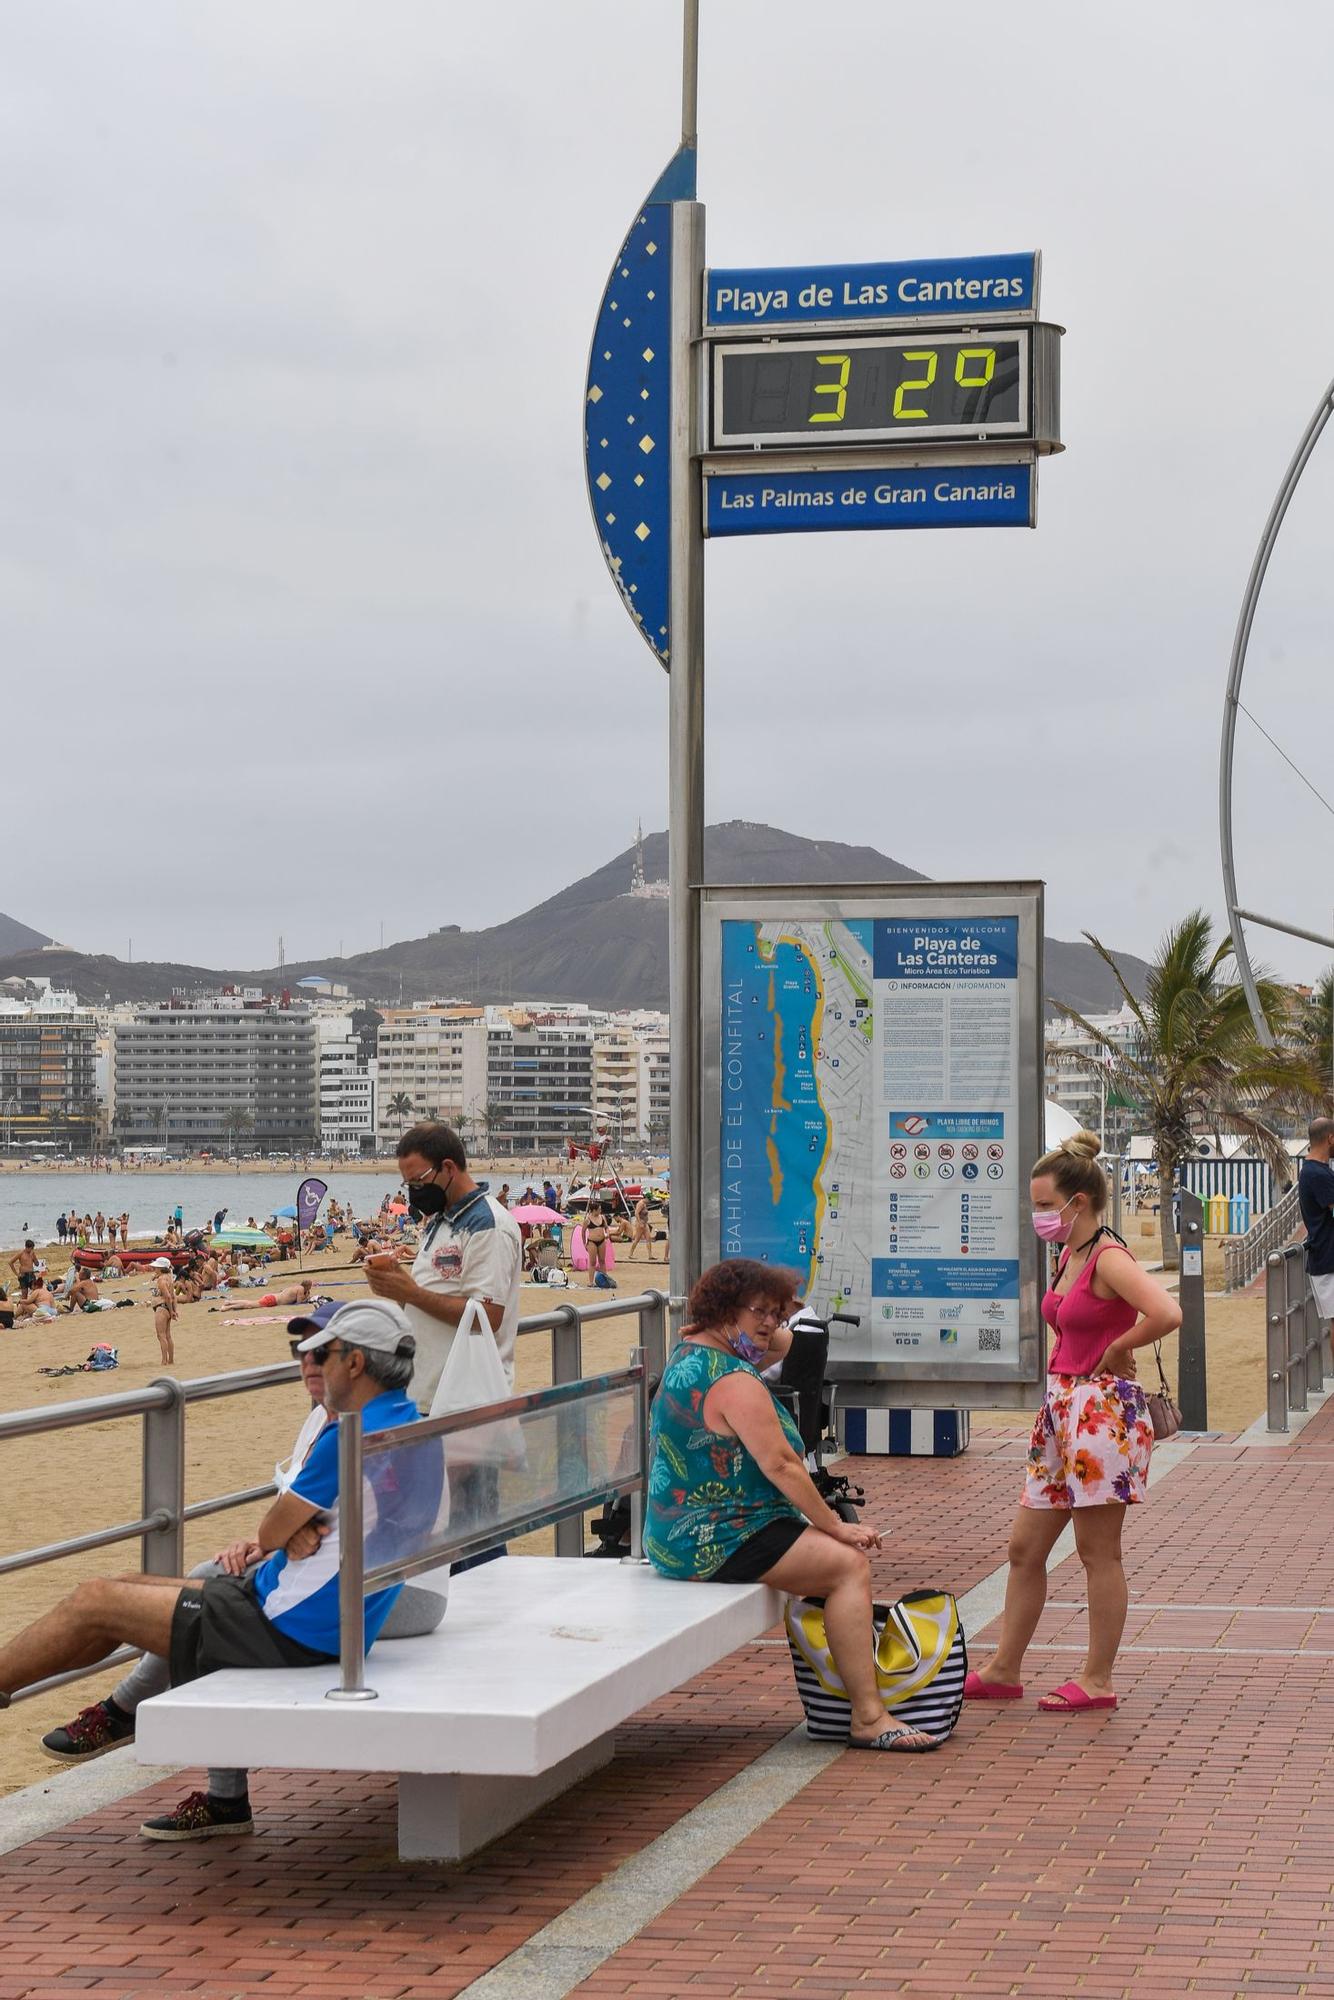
column 567, row 1365
column 1295, row 1320
column 1315, row 1342
column 163, row 1482
column 656, row 1335
column 1276, row 1347
column 351, row 1566
column 639, row 1497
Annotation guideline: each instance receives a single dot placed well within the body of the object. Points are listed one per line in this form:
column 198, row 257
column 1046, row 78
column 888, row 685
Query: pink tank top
column 1084, row 1325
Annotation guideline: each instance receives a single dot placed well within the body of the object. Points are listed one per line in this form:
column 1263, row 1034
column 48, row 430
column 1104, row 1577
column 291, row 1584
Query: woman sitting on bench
column 729, row 1497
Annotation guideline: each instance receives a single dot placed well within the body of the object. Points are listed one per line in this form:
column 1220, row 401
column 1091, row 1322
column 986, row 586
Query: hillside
column 15, row 936
column 592, row 941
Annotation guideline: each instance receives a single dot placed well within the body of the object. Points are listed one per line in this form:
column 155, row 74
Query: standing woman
column 729, row 1496
column 1089, row 1456
column 641, row 1230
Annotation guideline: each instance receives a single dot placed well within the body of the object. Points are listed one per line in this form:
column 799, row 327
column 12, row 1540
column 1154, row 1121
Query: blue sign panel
column 897, row 496
column 947, row 948
column 966, row 288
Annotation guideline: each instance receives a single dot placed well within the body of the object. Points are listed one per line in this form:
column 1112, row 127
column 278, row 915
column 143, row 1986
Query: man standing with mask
column 470, row 1249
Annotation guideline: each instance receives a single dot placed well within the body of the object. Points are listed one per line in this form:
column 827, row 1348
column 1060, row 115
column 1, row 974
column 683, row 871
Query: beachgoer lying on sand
column 290, row 1295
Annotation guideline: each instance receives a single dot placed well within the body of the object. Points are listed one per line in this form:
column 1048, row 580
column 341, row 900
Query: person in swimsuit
column 641, row 1231
column 595, row 1243
column 125, row 1230
column 24, row 1266
column 1088, row 1458
column 164, row 1309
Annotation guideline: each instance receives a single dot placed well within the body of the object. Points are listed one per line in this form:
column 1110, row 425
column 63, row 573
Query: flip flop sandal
column 1070, row 1699
column 891, row 1739
column 976, row 1689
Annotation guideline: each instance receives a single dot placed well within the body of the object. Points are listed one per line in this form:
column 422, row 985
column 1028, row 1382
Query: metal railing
column 160, row 1526
column 1244, row 1256
column 507, row 1517
column 1294, row 1336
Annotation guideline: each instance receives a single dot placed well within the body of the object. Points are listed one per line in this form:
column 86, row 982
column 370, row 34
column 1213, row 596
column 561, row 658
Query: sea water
column 31, row 1200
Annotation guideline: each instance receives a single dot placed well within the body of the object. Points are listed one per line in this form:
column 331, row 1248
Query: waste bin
column 1240, row 1206
column 1215, row 1215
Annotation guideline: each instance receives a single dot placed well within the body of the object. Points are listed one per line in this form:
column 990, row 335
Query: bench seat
column 514, row 1698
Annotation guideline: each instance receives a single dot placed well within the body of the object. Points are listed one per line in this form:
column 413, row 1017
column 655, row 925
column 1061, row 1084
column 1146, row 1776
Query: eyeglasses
column 424, row 1180
column 764, row 1311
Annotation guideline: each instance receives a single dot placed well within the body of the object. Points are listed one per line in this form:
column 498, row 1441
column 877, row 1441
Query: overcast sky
column 305, row 624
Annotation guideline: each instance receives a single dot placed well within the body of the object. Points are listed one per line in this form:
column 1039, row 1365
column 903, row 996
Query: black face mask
column 428, row 1200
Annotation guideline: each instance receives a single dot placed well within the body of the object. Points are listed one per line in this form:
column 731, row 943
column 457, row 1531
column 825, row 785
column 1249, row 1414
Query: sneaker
column 92, row 1733
column 200, row 1817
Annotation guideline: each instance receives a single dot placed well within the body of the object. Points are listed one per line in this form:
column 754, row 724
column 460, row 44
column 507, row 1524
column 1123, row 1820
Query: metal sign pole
column 1190, row 1292
column 685, row 825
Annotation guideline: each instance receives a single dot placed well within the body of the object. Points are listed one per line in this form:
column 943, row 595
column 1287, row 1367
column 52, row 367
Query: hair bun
column 1082, row 1145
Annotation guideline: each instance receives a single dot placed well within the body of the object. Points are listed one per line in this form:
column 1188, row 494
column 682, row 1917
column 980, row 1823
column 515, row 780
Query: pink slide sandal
column 1070, row 1699
column 976, row 1689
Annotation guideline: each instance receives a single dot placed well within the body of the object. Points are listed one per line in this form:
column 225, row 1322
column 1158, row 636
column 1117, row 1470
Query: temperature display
column 909, row 389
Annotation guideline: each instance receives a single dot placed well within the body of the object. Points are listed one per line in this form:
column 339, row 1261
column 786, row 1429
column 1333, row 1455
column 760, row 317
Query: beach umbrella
column 287, row 1214
column 242, row 1239
column 534, row 1212
column 397, row 1208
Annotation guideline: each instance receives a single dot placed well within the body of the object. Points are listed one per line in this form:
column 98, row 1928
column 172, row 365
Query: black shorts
column 221, row 1623
column 27, row 1279
column 757, row 1556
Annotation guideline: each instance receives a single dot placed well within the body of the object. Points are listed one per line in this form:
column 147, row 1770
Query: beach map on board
column 869, row 1126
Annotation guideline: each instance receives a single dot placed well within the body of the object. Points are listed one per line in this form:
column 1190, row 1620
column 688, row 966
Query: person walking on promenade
column 1315, row 1197
column 1089, row 1456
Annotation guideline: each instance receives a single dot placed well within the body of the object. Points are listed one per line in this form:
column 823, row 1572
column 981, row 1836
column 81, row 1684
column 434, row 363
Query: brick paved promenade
column 1183, row 1845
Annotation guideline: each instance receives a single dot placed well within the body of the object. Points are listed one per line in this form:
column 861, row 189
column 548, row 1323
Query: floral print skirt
column 1090, row 1445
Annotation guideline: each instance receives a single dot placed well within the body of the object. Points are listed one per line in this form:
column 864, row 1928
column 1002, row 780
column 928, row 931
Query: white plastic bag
column 473, row 1375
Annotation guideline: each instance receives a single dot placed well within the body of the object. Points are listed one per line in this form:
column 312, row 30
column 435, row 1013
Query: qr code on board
column 988, row 1340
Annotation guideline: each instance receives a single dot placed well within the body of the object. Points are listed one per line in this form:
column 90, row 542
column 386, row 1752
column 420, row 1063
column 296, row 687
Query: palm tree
column 1198, row 1065
column 400, row 1105
column 236, row 1120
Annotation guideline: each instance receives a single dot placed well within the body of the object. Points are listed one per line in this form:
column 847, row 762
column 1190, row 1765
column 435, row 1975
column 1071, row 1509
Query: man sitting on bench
column 284, row 1614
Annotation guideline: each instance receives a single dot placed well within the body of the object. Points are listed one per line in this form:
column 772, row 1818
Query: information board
column 872, row 1107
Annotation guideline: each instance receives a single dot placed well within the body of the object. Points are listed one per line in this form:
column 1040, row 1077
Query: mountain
column 15, row 936
column 595, row 941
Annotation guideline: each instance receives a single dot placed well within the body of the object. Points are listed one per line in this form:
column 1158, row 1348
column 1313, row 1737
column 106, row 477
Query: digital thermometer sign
column 905, row 389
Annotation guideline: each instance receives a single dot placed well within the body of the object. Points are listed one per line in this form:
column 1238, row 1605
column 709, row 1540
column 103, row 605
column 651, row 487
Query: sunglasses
column 319, row 1355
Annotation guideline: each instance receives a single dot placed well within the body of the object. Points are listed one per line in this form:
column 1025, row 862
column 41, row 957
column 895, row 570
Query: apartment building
column 431, row 1063
column 217, row 1075
column 1077, row 1079
column 348, row 1082
column 48, row 1075
column 539, row 1081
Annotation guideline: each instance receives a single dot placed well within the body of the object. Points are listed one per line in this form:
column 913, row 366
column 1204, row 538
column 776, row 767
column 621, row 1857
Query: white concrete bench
column 513, row 1699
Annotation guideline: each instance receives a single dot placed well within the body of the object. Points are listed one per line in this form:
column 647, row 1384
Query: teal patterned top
column 706, row 1494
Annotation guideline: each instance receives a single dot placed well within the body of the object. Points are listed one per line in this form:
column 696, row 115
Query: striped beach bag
column 921, row 1659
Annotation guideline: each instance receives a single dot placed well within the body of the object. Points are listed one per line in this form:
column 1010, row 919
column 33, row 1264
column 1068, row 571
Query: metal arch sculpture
column 1236, row 916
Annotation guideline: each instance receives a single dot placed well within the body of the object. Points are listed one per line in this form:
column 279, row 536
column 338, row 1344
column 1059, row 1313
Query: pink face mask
column 1048, row 1223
